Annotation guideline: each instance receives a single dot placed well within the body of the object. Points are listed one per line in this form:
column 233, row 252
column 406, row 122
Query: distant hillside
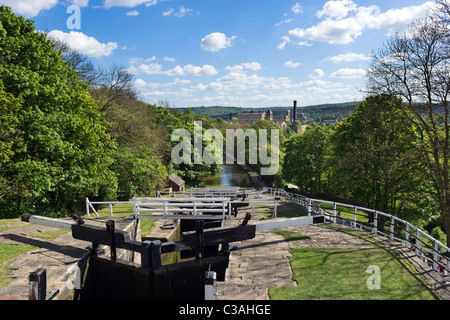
column 316, row 112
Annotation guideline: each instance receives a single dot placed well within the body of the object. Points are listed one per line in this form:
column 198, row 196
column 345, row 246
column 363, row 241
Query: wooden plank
column 49, row 222
column 216, row 236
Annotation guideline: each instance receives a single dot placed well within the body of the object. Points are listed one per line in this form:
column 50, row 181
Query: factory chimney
column 295, row 111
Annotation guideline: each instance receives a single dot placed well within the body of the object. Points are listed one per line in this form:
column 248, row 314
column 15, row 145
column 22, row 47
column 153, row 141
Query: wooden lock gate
column 112, row 278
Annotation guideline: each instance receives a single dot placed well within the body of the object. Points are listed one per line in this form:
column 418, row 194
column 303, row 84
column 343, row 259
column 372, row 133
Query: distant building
column 176, row 183
column 282, row 119
column 250, row 117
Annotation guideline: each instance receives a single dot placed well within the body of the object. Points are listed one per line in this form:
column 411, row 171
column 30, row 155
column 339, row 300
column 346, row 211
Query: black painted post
column 111, row 227
column 199, row 227
column 156, row 254
column 37, row 285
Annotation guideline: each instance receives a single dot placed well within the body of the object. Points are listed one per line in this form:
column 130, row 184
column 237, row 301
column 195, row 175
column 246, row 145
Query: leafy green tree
column 59, row 151
column 305, row 160
column 374, row 154
column 139, row 172
column 415, row 66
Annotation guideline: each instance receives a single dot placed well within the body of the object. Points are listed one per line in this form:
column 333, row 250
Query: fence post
column 110, row 210
column 435, row 255
column 354, row 216
column 391, row 231
column 334, row 212
column 407, row 232
column 375, row 222
column 417, row 241
column 87, row 207
column 37, row 285
column 309, row 207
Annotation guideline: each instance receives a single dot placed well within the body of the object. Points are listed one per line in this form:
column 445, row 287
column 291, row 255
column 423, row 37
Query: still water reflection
column 231, row 175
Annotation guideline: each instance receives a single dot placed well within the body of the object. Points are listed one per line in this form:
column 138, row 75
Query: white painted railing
column 435, row 253
column 211, row 192
column 176, row 208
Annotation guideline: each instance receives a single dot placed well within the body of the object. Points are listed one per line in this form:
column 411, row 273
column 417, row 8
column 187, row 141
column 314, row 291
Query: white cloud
column 297, row 8
column 344, row 21
column 255, row 66
column 347, row 73
column 140, row 83
column 206, row 70
column 282, row 22
column 286, row 40
column 29, row 8
column 133, row 13
column 141, row 60
column 128, row 3
column 84, row 44
column 168, row 12
column 180, row 13
column 348, row 57
column 337, row 9
column 216, row 41
column 187, row 70
column 169, row 59
column 291, row 64
column 316, row 74
column 80, row 3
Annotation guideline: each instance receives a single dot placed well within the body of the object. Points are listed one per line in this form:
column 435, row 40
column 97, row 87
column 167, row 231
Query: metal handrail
column 438, row 250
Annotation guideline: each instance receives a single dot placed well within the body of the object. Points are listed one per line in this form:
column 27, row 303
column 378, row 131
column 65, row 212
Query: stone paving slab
column 263, row 262
column 57, row 256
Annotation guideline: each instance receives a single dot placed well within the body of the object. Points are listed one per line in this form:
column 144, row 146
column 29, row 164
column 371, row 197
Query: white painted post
column 407, row 232
column 334, row 212
column 309, row 207
column 354, row 216
column 375, row 222
column 275, row 209
column 110, row 210
column 391, row 234
column 435, row 255
column 253, row 209
column 87, row 207
column 417, row 241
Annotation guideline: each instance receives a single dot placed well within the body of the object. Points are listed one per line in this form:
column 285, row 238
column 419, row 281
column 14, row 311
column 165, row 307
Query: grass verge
column 340, row 274
column 8, row 253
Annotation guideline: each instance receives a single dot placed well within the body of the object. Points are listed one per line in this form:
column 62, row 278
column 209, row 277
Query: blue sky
column 244, row 53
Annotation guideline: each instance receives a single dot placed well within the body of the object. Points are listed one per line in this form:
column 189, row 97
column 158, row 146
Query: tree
column 374, row 154
column 305, row 160
column 58, row 151
column 416, row 67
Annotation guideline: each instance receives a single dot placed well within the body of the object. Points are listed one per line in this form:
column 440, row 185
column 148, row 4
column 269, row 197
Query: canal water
column 231, row 175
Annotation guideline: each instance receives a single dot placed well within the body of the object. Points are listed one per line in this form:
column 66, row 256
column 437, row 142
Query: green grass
column 125, row 210
column 50, row 235
column 340, row 274
column 346, row 212
column 8, row 253
column 291, row 236
column 6, row 224
column 267, row 210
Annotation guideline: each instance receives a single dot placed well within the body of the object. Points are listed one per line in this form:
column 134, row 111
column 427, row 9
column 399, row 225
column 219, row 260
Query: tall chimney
column 295, row 111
